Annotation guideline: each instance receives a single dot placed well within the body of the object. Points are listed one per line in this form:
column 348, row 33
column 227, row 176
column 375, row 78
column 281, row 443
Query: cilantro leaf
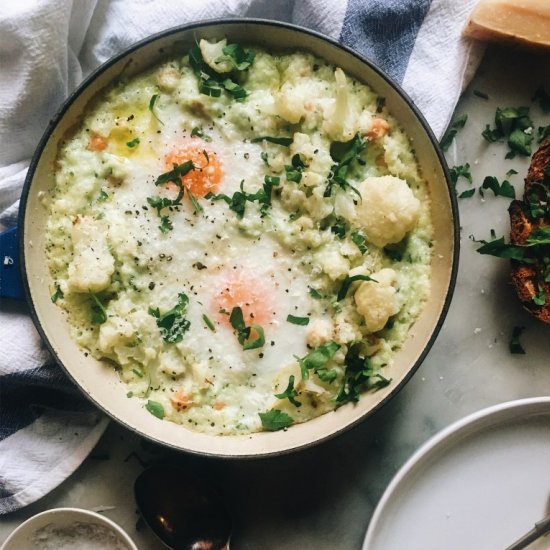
column 314, row 293
column 103, row 195
column 359, row 241
column 98, row 315
column 198, row 132
column 173, row 324
column 515, row 124
column 290, row 393
column 241, row 58
column 500, row 190
column 275, row 419
column 500, row 249
column 467, row 194
column 539, row 299
column 285, row 141
column 456, row 124
column 344, row 154
column 133, row 143
column 152, row 103
column 460, row 171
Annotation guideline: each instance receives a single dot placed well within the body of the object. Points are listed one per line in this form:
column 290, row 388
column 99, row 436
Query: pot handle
column 11, row 284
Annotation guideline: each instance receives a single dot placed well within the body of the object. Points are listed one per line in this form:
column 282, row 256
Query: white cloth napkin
column 46, row 47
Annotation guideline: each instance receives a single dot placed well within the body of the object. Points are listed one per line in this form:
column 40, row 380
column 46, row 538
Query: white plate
column 480, row 484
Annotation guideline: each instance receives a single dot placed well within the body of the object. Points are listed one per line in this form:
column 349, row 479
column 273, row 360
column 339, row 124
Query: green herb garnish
column 449, row 135
column 466, row 194
column 132, row 143
column 314, row 293
column 98, row 315
column 285, row 141
column 57, row 294
column 347, row 283
column 515, row 344
column 244, row 333
column 103, row 195
column 302, row 321
column 239, row 57
column 360, row 242
column 539, row 299
column 316, row 361
column 460, row 171
column 515, row 125
column 208, row 323
column 155, row 408
column 290, row 393
column 344, row 154
column 198, row 132
column 152, row 103
column 504, row 189
column 275, row 419
column 339, row 228
column 359, row 376
column 173, row 324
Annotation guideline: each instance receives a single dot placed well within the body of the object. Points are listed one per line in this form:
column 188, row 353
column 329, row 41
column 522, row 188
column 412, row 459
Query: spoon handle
column 541, row 528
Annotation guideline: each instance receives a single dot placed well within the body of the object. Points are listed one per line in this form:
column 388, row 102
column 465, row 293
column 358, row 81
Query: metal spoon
column 185, row 513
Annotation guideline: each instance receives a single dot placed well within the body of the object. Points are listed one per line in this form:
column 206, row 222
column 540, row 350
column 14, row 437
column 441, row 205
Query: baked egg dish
column 244, row 236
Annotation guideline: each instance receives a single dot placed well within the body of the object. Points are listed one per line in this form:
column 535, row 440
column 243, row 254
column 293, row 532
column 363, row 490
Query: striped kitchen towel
column 46, row 47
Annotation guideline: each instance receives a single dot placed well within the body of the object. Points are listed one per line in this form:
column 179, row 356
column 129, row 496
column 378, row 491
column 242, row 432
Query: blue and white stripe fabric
column 46, row 47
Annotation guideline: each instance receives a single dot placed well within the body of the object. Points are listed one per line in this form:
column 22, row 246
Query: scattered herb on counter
column 155, row 408
column 456, row 124
column 244, row 333
column 301, row 321
column 208, row 322
column 198, row 132
column 539, row 299
column 460, row 171
column 290, row 393
column 285, row 141
column 504, row 189
column 359, row 376
column 500, row 249
column 173, row 324
column 515, row 344
column 514, row 124
column 481, row 94
column 316, row 361
column 543, row 99
column 133, row 143
column 347, row 283
column 58, row 294
column 467, row 194
column 275, row 419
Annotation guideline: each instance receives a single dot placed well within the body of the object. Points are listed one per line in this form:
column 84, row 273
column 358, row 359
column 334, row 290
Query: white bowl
column 65, row 519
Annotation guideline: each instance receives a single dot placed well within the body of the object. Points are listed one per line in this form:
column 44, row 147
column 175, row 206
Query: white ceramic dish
column 98, row 380
column 24, row 537
column 480, row 484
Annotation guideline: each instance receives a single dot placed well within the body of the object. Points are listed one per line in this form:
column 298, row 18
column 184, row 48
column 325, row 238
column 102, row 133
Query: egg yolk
column 206, row 176
column 251, row 294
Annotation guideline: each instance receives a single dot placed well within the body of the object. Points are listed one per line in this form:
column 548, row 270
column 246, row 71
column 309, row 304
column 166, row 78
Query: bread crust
column 528, row 278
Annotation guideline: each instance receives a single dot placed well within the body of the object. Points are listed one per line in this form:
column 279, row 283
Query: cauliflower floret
column 388, row 210
column 92, row 264
column 319, row 332
column 289, row 102
column 377, row 301
column 213, row 55
column 338, row 124
column 168, row 78
column 334, row 264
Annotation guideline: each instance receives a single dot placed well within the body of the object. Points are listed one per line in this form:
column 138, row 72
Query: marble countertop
column 323, row 497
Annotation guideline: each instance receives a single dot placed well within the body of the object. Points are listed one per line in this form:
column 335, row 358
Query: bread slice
column 528, row 278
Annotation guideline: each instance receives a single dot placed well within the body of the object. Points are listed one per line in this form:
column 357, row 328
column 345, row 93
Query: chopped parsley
column 212, row 83
column 302, row 321
column 133, row 143
column 344, row 154
column 515, row 344
column 514, row 124
column 103, row 195
column 173, row 324
column 347, row 283
column 275, row 419
column 57, row 294
column 504, row 189
column 152, row 104
column 98, row 315
column 449, row 135
column 155, row 408
column 359, row 241
column 290, row 393
column 314, row 293
column 244, row 333
column 359, row 376
column 316, row 361
column 500, row 249
column 466, row 194
column 462, row 170
column 339, row 228
column 294, row 170
column 539, row 299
